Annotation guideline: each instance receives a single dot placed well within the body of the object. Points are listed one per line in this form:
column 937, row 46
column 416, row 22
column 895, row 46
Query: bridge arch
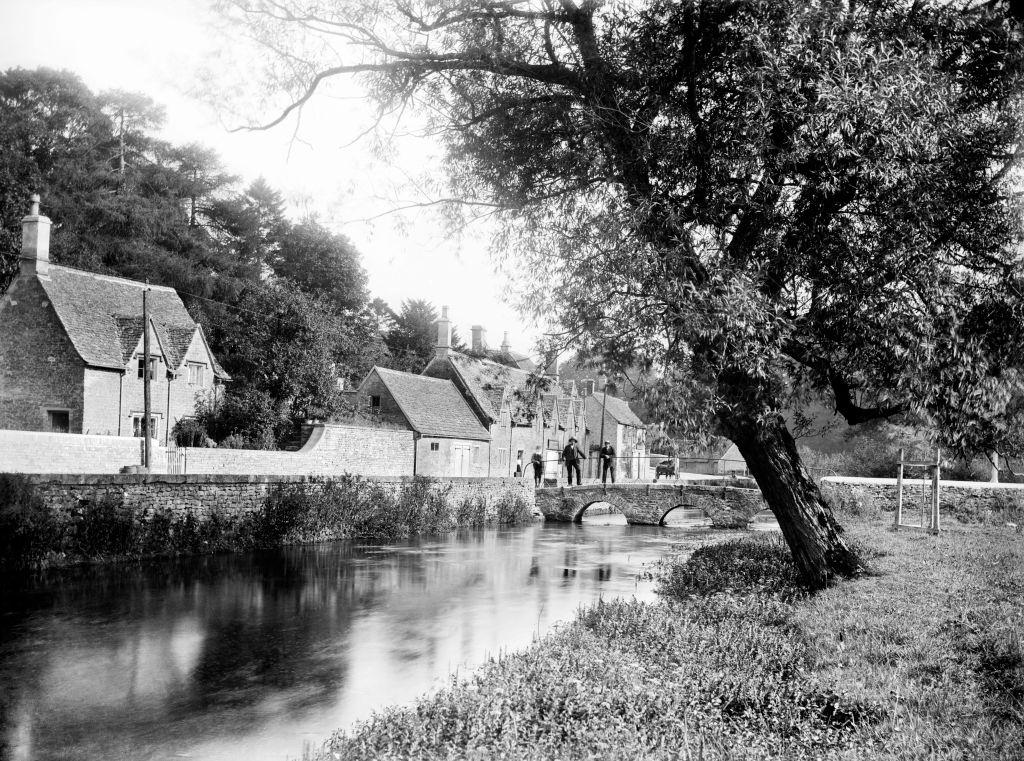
column 686, row 507
column 604, row 499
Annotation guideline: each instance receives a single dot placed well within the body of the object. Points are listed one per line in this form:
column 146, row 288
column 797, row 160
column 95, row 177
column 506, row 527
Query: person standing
column 537, row 460
column 571, row 456
column 607, row 462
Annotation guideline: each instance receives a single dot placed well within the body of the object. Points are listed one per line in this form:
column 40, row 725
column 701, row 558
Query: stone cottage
column 71, row 349
column 519, row 410
column 449, row 438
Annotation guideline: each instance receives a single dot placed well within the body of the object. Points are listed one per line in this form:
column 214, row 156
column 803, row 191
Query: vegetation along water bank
column 36, row 533
column 924, row 659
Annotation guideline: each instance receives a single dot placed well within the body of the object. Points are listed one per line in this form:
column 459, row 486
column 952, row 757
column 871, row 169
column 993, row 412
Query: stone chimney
column 587, row 387
column 506, row 347
column 479, row 338
column 444, row 333
column 35, row 242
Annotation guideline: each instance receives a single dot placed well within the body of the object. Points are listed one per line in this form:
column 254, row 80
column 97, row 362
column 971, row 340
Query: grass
column 923, row 661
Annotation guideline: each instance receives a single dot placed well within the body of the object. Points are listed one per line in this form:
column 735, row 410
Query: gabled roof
column 488, row 382
column 433, row 406
column 564, row 408
column 618, row 409
column 102, row 316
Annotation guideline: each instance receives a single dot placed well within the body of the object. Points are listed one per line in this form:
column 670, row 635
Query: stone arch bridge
column 648, row 504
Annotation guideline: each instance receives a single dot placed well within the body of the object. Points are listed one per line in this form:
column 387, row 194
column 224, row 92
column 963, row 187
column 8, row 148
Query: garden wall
column 38, row 452
column 330, row 450
column 964, row 500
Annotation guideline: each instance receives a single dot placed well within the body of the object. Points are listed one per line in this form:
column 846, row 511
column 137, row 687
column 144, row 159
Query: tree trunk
column 811, row 530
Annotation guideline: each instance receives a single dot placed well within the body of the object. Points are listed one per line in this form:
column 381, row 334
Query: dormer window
column 196, row 373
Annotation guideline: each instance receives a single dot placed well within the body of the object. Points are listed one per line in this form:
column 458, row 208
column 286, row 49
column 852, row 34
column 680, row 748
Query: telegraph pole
column 604, row 403
column 147, row 455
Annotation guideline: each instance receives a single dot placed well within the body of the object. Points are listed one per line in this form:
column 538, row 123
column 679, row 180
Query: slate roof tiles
column 433, row 406
column 102, row 315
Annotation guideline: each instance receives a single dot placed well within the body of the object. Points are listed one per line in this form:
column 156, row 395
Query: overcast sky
column 162, row 47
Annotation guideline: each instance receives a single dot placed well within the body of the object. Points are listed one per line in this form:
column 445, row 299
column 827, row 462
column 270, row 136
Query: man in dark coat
column 607, row 462
column 571, row 456
column 537, row 460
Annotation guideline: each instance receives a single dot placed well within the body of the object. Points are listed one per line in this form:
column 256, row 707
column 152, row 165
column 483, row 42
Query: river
column 258, row 656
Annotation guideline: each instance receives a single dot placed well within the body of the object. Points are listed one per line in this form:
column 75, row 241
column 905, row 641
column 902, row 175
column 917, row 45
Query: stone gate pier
column 648, row 504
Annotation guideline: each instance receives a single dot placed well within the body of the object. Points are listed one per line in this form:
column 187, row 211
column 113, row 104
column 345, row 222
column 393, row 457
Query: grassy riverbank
column 924, row 660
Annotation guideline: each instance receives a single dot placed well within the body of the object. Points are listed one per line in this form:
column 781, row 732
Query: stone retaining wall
column 204, row 494
column 965, row 500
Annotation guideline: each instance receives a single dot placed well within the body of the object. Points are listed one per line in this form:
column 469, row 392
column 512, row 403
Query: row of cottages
column 505, row 415
column 71, row 349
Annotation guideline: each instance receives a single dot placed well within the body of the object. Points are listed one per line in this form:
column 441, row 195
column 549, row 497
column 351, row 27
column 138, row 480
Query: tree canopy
column 750, row 199
column 285, row 304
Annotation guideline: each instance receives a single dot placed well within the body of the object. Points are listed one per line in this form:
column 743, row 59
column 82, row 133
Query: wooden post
column 899, row 491
column 146, row 406
column 935, row 491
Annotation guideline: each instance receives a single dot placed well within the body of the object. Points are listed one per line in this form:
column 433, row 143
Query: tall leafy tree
column 322, row 264
column 53, row 135
column 277, row 343
column 751, row 198
column 412, row 339
column 132, row 116
column 253, row 224
column 201, row 179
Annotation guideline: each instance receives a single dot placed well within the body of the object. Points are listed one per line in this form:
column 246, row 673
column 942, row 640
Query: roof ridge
column 115, row 278
column 412, row 375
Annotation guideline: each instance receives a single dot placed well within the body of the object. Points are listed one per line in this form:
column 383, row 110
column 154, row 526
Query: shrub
column 104, row 528
column 761, row 564
column 729, row 519
column 472, row 512
column 854, row 502
column 28, row 528
column 512, row 509
column 190, row 432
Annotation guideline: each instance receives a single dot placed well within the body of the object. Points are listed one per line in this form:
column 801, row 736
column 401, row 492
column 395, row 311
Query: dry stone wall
column 965, row 500
column 202, row 495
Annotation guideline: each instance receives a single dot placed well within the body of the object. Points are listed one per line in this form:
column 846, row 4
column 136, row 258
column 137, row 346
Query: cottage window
column 154, row 425
column 375, row 403
column 196, row 373
column 435, row 446
column 152, row 367
column 59, row 420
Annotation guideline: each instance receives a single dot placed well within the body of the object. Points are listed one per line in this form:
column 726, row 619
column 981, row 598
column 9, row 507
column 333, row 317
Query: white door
column 461, row 459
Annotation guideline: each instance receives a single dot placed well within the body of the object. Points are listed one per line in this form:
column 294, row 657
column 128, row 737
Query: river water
column 256, row 656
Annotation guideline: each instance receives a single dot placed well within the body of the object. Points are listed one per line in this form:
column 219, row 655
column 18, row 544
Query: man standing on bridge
column 607, row 462
column 537, row 460
column 571, row 456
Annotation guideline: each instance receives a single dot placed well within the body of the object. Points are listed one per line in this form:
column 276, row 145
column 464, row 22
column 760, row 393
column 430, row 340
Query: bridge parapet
column 647, row 504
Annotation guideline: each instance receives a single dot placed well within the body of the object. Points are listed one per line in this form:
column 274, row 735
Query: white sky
column 162, row 47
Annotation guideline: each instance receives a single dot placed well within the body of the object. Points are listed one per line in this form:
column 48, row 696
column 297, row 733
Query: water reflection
column 248, row 657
